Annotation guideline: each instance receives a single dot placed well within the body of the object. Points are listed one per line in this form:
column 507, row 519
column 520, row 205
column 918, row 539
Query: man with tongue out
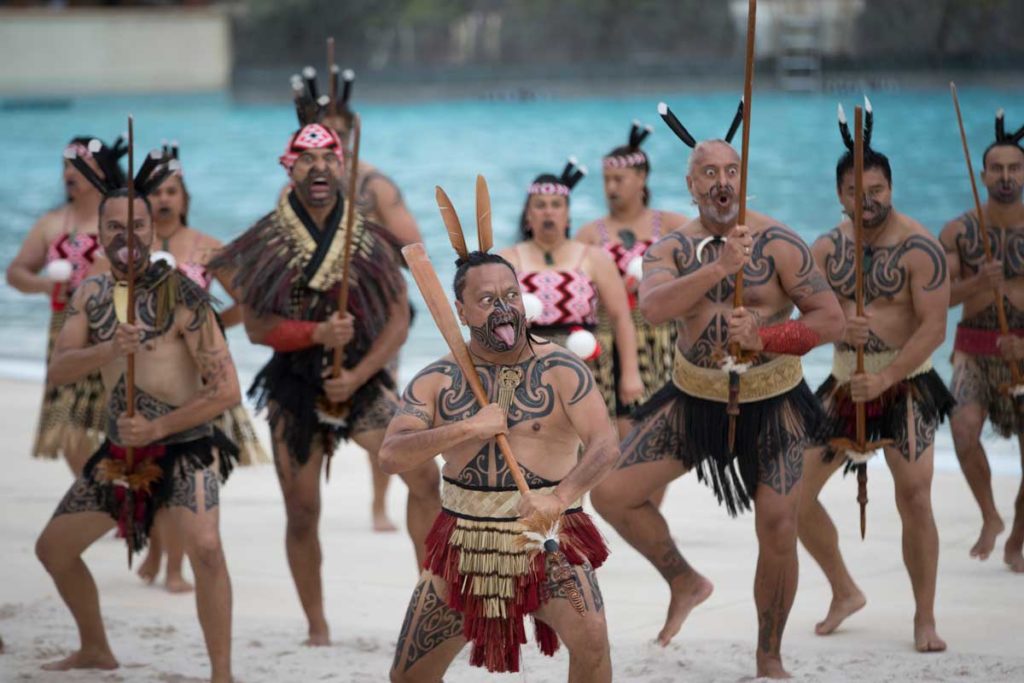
column 184, row 378
column 479, row 582
column 288, row 268
column 689, row 278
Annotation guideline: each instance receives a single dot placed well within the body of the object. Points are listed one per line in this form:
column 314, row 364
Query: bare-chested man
column 980, row 374
column 478, row 584
column 906, row 290
column 288, row 269
column 689, row 278
column 378, row 198
column 184, row 379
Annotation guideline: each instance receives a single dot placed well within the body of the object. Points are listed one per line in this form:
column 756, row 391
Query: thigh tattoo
column 211, row 490
column 781, row 465
column 653, row 440
column 436, row 622
column 183, row 489
column 83, row 496
column 553, row 590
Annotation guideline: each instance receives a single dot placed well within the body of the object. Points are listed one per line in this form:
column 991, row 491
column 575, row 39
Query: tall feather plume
column 844, row 128
column 348, row 76
column 1001, row 125
column 86, row 170
column 737, row 119
column 869, row 122
column 1018, row 136
column 309, row 76
column 638, row 133
column 155, row 169
column 578, row 174
column 567, row 171
column 484, row 230
column 451, row 222
column 676, row 125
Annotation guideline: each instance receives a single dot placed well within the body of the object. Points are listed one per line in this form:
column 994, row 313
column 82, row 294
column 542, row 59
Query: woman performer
column 54, row 259
column 190, row 250
column 570, row 279
column 630, row 227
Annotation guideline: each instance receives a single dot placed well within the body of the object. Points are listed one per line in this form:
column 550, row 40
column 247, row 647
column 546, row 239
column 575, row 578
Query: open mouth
column 164, row 211
column 320, row 189
column 122, row 254
column 504, row 329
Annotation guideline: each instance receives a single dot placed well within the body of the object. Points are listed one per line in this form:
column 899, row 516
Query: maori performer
column 378, row 198
column 163, row 457
column 190, row 250
column 289, row 268
column 981, row 375
column 480, row 581
column 568, row 283
column 54, row 259
column 628, row 230
column 690, row 278
column 906, row 289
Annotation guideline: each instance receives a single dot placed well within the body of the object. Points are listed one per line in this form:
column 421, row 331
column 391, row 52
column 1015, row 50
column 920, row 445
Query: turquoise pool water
column 229, row 153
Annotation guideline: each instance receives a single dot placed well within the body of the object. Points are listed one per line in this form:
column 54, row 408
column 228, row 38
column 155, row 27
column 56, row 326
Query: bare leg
column 624, row 500
column 60, row 549
column 586, row 635
column 913, row 479
column 175, row 542
column 150, row 567
column 776, row 510
column 431, row 635
column 424, row 502
column 966, row 423
column 378, row 509
column 77, row 452
column 821, row 539
column 301, row 489
column 1012, row 554
column 193, row 515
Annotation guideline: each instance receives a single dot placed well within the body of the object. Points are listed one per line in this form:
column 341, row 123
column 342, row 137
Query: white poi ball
column 635, row 270
column 59, row 270
column 533, row 305
column 583, row 344
column 165, row 256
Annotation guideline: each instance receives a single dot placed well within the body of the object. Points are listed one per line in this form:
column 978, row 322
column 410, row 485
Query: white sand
column 368, row 578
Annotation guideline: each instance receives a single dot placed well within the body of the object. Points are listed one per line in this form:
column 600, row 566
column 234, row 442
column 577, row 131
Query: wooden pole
column 130, row 315
column 858, row 264
column 733, row 407
column 350, row 219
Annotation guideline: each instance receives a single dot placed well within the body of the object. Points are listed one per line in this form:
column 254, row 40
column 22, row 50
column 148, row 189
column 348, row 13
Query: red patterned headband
column 625, row 160
column 312, row 136
column 549, row 188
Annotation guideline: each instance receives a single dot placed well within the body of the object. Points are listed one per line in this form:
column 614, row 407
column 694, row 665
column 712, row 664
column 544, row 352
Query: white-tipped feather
column 636, row 122
column 574, row 161
column 335, row 69
column 582, row 169
column 296, row 82
column 1000, row 113
column 348, row 75
column 70, row 153
column 95, row 145
column 841, row 113
column 308, row 72
column 662, row 108
column 649, row 128
column 174, row 166
column 867, row 104
column 156, row 154
column 323, row 100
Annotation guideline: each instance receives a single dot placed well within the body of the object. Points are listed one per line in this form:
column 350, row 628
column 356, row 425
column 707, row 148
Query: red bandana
column 312, row 136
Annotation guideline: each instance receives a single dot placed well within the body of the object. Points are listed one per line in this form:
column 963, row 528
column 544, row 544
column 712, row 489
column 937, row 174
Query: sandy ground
column 368, row 578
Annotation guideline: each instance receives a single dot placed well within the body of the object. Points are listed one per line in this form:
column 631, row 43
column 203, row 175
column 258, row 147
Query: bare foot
column 686, row 594
column 382, row 523
column 149, row 568
column 1014, row 558
column 177, row 584
column 926, row 639
column 838, row 611
column 317, row 640
column 987, row 538
column 769, row 666
column 83, row 660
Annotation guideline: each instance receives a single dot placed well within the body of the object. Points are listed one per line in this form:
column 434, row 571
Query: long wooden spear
column 328, row 412
column 860, row 449
column 1004, row 326
column 440, row 309
column 130, row 319
column 733, row 407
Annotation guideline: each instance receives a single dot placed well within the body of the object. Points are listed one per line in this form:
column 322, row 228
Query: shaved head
column 713, row 148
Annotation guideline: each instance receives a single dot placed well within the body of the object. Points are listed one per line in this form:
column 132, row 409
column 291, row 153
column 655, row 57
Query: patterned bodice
column 569, row 296
column 80, row 250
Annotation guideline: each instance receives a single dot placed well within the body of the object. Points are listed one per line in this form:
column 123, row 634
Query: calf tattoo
column 435, row 623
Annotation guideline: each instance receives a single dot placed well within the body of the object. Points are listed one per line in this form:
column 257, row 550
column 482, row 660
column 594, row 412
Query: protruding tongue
column 507, row 334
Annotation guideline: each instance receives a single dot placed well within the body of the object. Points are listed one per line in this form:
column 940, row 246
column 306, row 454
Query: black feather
column 676, row 125
column 737, row 119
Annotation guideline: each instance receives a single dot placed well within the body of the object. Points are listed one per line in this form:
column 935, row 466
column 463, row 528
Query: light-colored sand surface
column 368, row 578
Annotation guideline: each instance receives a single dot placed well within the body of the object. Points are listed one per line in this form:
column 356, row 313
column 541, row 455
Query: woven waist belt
column 844, row 364
column 486, row 504
column 759, row 383
column 979, row 342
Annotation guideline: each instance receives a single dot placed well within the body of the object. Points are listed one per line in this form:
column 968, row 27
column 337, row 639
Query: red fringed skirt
column 476, row 546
